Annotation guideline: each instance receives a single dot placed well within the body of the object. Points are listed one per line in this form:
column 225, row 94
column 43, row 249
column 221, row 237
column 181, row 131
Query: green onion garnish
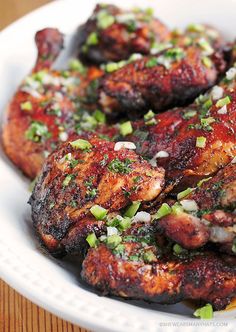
column 26, row 106
column 124, row 224
column 77, row 65
column 223, row 101
column 99, row 116
column 132, row 209
column 126, row 128
column 149, row 257
column 178, row 249
column 149, row 115
column 207, row 62
column 113, row 241
column 205, row 312
column 184, row 193
column 67, row 180
column 81, row 144
column 201, row 142
column 164, row 210
column 92, row 39
column 92, row 240
column 98, row 212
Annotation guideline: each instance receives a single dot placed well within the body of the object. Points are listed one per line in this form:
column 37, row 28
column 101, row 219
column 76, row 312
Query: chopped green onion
column 26, row 106
column 132, row 209
column 189, row 114
column 77, row 65
column 112, row 66
column 234, row 246
column 195, row 27
column 178, row 249
column 92, row 240
column 151, row 63
column 164, row 210
column 205, row 312
column 223, row 101
column 177, row 208
column 207, row 104
column 126, row 128
column 36, row 131
column 207, row 121
column 125, row 223
column 201, row 142
column 98, row 212
column 113, row 241
column 92, row 39
column 149, row 115
column 81, row 144
column 149, row 257
column 67, row 180
column 205, row 46
column 175, row 54
column 99, row 116
column 184, row 193
column 207, row 62
column 104, row 19
column 120, row 166
column 203, row 180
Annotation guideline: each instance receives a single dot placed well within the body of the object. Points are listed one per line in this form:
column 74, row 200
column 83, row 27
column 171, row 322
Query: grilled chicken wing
column 192, row 142
column 209, row 215
column 139, row 268
column 82, row 174
column 46, row 109
column 112, row 34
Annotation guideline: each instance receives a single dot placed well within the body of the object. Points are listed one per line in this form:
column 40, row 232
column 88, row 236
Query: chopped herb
column 73, row 204
column 201, row 142
column 119, row 166
column 207, row 62
column 164, row 210
column 126, row 128
column 202, row 181
column 151, row 63
column 149, row 257
column 177, row 208
column 67, row 180
column 98, row 212
column 223, row 101
column 92, row 240
column 132, row 209
column 137, row 179
column 124, row 224
column 205, row 312
column 77, row 65
column 189, row 114
column 104, row 160
column 149, row 115
column 92, row 193
column 37, row 131
column 113, row 241
column 184, row 193
column 104, row 19
column 178, row 250
column 119, row 250
column 26, row 106
column 99, row 116
column 81, row 144
column 92, row 39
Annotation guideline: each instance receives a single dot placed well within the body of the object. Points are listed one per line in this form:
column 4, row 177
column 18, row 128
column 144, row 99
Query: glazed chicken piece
column 45, row 111
column 138, row 267
column 206, row 214
column 193, row 142
column 82, row 174
column 173, row 77
column 112, row 34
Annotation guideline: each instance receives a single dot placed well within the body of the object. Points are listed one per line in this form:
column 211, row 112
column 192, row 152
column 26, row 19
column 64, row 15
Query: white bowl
column 51, row 283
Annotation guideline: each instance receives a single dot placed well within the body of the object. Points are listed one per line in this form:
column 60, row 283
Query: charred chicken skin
column 112, row 34
column 193, row 142
column 46, row 109
column 209, row 215
column 82, row 174
column 173, row 77
column 138, row 267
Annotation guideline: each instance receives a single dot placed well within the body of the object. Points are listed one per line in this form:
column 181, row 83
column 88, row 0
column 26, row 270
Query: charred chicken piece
column 45, row 110
column 112, row 34
column 82, row 174
column 138, row 268
column 206, row 214
column 171, row 78
column 193, row 142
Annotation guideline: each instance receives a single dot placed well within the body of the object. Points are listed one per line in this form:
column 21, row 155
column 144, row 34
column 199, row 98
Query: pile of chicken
column 134, row 147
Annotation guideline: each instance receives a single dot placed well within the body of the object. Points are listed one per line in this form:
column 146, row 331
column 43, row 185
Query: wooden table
column 17, row 314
